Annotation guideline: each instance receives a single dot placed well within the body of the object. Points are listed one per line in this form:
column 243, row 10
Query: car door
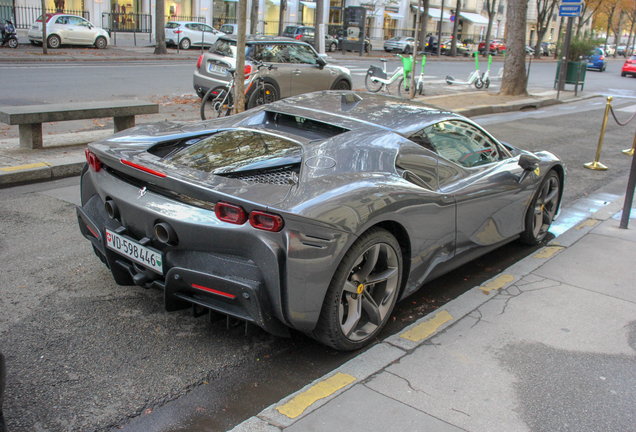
column 194, row 33
column 308, row 35
column 81, row 30
column 306, row 75
column 61, row 27
column 484, row 179
column 278, row 55
column 210, row 35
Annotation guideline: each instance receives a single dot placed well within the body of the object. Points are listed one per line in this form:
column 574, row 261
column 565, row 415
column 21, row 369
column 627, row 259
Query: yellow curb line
column 548, row 252
column 300, row 403
column 427, row 328
column 497, row 283
column 587, row 223
column 24, row 167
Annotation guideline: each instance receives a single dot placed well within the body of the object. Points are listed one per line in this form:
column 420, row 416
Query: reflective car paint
column 597, row 60
column 347, row 184
column 71, row 29
column 629, row 67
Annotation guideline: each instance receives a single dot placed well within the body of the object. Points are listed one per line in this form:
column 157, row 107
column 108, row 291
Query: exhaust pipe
column 166, row 234
column 111, row 209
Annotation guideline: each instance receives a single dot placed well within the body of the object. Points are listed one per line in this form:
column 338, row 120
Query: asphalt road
column 86, row 354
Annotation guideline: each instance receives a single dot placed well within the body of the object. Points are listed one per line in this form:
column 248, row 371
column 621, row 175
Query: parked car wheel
column 333, row 47
column 53, row 41
column 623, row 74
column 342, row 85
column 407, row 49
column 542, row 210
column 100, row 43
column 362, row 293
column 184, row 44
column 262, row 96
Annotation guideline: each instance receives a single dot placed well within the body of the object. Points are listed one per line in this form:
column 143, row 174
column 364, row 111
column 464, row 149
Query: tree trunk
column 160, row 25
column 44, row 41
column 423, row 23
column 239, row 81
column 617, row 33
column 254, row 17
column 491, row 17
column 514, row 80
column 416, row 49
column 281, row 17
column 610, row 18
column 319, row 33
column 458, row 9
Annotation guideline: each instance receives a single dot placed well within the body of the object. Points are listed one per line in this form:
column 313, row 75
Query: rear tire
column 362, row 293
column 372, row 86
column 13, row 43
column 420, row 89
column 403, row 92
column 333, row 47
column 623, row 74
column 184, row 44
column 53, row 42
column 407, row 49
column 262, row 95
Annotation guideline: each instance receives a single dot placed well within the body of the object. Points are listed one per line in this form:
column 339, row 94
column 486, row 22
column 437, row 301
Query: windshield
column 171, row 25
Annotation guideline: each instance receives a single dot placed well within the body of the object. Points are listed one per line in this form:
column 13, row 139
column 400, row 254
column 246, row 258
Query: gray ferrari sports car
column 316, row 212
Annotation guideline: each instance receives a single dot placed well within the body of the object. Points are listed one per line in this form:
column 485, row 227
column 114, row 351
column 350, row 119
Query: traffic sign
column 571, row 1
column 570, row 10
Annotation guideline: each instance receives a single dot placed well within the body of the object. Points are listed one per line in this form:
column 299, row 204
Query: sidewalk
column 548, row 345
column 63, row 153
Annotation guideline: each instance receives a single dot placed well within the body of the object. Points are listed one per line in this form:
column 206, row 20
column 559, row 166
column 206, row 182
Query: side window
column 76, row 21
column 301, row 54
column 273, row 53
column 308, row 32
column 462, row 143
column 206, row 28
column 61, row 20
column 194, row 27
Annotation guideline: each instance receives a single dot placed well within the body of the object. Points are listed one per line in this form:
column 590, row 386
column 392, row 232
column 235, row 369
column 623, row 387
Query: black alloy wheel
column 542, row 210
column 362, row 293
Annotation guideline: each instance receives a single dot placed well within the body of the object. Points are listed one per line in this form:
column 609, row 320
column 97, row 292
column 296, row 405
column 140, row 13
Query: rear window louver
column 287, row 175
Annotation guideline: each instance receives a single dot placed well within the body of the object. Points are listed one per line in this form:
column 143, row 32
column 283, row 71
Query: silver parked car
column 316, row 212
column 64, row 29
column 403, row 44
column 299, row 69
column 187, row 34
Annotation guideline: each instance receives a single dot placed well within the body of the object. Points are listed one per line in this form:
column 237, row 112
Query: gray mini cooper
column 299, row 69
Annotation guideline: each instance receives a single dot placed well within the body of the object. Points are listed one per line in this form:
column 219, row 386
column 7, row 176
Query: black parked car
column 340, row 36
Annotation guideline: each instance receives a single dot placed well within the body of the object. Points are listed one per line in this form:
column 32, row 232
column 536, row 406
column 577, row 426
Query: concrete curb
column 399, row 345
column 43, row 171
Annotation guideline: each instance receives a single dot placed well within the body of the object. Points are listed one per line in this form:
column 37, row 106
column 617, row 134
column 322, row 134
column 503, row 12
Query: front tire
column 13, row 43
column 403, row 92
column 542, row 210
column 407, row 49
column 53, row 42
column 262, row 95
column 184, row 44
column 623, row 74
column 362, row 293
column 100, row 43
column 372, row 86
column 342, row 85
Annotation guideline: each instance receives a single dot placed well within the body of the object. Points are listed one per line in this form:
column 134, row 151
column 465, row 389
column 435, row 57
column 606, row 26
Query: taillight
column 200, row 61
column 248, row 69
column 230, row 213
column 92, row 160
column 266, row 221
column 177, row 31
column 142, row 168
column 298, row 37
column 601, row 58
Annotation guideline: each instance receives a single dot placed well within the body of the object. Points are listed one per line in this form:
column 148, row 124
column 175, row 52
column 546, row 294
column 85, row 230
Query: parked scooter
column 473, row 79
column 8, row 35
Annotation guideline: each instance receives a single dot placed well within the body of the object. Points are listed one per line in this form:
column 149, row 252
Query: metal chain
column 619, row 123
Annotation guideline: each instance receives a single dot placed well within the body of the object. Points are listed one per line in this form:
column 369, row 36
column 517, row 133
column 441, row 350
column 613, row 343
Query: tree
column 545, row 11
column 160, row 27
column 617, row 30
column 458, row 9
column 254, row 17
column 45, row 43
column 491, row 8
column 281, row 17
column 610, row 7
column 631, row 14
column 239, row 75
column 423, row 23
column 514, row 80
column 588, row 9
column 319, row 34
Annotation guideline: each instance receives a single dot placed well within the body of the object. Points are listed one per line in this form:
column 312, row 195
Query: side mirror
column 528, row 161
column 321, row 62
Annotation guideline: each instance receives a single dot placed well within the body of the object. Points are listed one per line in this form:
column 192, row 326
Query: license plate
column 147, row 257
column 217, row 69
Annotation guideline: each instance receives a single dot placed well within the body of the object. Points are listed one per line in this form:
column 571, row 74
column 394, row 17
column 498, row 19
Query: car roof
column 393, row 113
column 263, row 39
column 186, row 22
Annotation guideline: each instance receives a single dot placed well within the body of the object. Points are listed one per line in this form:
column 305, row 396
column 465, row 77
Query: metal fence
column 192, row 18
column 127, row 22
column 24, row 16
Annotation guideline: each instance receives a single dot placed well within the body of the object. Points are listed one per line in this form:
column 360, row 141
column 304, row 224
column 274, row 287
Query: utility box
column 355, row 23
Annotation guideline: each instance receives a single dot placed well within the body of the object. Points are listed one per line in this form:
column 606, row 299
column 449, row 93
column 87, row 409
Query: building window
column 224, row 12
column 178, row 9
column 65, row 5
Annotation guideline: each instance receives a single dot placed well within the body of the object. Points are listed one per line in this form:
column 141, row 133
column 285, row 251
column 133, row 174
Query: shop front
column 224, row 12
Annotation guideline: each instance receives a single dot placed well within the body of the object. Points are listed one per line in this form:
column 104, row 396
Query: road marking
column 427, row 328
column 497, row 283
column 629, row 109
column 547, row 252
column 587, row 223
column 301, row 402
column 24, row 167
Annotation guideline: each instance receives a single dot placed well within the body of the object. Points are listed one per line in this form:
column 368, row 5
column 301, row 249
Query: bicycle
column 473, row 78
column 223, row 102
column 376, row 78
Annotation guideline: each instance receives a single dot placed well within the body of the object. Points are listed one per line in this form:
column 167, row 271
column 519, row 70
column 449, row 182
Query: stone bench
column 29, row 118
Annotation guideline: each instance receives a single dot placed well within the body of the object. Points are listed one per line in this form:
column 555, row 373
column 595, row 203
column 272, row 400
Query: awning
column 394, row 15
column 310, row 5
column 435, row 14
column 475, row 18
